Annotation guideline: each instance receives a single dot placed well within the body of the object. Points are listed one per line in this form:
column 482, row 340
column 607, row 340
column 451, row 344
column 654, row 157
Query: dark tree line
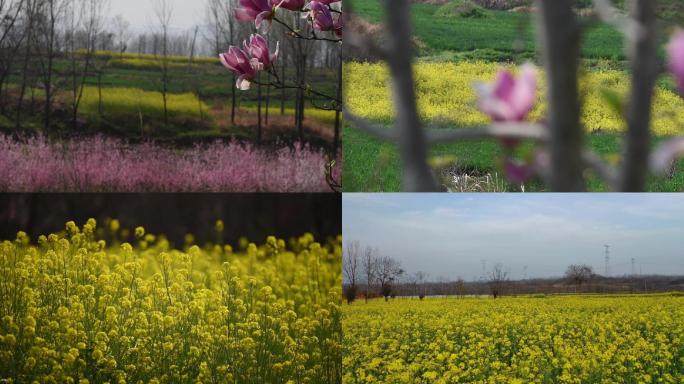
column 175, row 215
column 369, row 275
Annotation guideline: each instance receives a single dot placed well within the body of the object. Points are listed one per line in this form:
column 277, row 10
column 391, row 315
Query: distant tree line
column 176, row 214
column 369, row 275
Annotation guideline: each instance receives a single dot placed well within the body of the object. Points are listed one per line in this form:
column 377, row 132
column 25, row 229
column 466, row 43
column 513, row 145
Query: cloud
column 451, row 234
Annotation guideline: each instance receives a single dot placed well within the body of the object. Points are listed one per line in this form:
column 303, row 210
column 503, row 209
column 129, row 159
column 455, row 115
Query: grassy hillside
column 200, row 97
column 500, row 34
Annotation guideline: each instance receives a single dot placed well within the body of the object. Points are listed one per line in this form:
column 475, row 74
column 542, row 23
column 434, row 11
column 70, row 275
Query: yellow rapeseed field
column 75, row 308
column 133, row 101
column 566, row 339
column 445, row 92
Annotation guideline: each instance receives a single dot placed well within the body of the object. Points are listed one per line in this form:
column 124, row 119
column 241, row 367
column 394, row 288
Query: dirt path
column 277, row 124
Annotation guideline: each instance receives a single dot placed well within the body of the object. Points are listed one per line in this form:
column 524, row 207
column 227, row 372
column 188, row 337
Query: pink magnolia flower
column 328, row 2
column 517, row 172
column 238, row 62
column 509, row 99
column 258, row 49
column 293, row 5
column 323, row 19
column 675, row 51
column 257, row 10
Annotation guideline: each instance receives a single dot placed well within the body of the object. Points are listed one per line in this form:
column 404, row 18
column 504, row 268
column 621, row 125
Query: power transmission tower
column 633, row 268
column 525, row 272
column 607, row 259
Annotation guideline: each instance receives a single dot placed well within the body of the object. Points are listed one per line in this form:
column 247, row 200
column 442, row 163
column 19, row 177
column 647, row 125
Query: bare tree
column 498, row 280
column 223, row 31
column 86, row 16
column 579, row 274
column 387, row 271
column 30, row 20
column 459, row 287
column 351, row 269
column 369, row 264
column 421, row 278
column 53, row 13
column 164, row 11
column 122, row 31
column 11, row 38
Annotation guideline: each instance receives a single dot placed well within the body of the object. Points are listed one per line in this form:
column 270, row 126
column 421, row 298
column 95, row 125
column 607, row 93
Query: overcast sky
column 140, row 13
column 450, row 235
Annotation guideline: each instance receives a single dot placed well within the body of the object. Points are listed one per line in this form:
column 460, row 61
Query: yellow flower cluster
column 121, row 100
column 445, row 93
column 75, row 308
column 571, row 339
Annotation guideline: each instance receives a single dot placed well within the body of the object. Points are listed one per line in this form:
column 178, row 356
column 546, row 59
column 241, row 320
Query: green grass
column 130, row 111
column 500, row 31
column 499, row 36
column 374, row 166
column 132, row 84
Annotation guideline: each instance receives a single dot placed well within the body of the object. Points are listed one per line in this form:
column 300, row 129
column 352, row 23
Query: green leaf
column 615, row 100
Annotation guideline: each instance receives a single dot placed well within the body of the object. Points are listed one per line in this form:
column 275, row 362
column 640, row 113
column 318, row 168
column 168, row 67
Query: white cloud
column 450, row 236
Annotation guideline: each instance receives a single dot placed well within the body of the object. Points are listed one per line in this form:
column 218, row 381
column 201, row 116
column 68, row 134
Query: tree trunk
column 644, row 63
column 300, row 116
column 232, row 102
column 24, row 73
column 268, row 98
column 99, row 94
column 560, row 37
column 417, row 176
column 259, row 108
column 282, row 90
column 47, row 113
column 336, row 140
column 298, row 91
column 164, row 94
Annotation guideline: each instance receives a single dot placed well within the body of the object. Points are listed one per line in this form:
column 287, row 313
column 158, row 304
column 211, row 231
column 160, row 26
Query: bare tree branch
column 607, row 13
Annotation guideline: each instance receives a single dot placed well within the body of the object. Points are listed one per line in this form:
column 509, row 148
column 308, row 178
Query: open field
column 131, row 97
column 445, row 94
column 446, row 97
column 85, row 306
column 539, row 339
column 205, row 136
column 512, row 37
column 455, row 52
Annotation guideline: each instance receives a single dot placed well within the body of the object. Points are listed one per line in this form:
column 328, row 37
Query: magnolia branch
column 524, row 131
column 438, row 134
column 296, row 34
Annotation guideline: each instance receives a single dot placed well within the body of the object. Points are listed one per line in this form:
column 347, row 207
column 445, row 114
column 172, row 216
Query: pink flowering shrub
column 100, row 164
